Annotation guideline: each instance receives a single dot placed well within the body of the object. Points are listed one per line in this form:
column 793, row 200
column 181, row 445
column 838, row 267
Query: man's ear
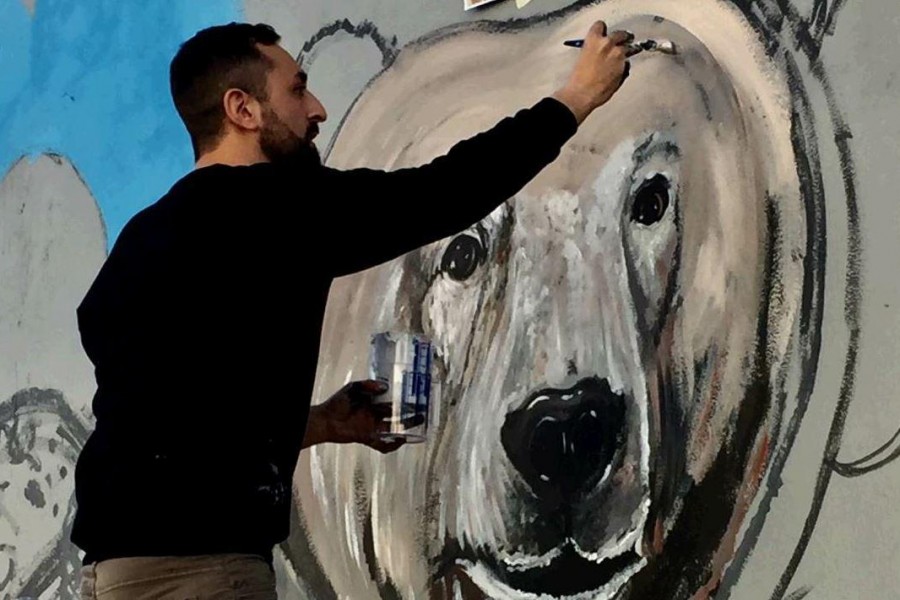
column 242, row 110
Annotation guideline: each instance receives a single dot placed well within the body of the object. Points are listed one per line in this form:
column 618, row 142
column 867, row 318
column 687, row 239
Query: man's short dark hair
column 213, row 61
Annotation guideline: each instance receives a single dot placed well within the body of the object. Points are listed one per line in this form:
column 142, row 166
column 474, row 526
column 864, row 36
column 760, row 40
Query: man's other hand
column 353, row 415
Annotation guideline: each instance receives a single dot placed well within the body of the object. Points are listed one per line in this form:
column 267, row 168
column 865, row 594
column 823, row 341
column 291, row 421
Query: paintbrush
column 662, row 46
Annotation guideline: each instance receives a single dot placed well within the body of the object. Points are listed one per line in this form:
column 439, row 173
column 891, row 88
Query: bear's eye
column 462, row 257
column 651, row 201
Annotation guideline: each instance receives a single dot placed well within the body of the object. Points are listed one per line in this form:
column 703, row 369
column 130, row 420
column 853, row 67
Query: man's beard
column 279, row 144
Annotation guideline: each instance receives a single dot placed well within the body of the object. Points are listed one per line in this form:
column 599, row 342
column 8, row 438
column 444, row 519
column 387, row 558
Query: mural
column 627, row 347
column 614, row 392
column 649, row 355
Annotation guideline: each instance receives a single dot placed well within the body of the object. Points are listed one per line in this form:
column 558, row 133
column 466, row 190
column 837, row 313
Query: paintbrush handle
column 631, row 47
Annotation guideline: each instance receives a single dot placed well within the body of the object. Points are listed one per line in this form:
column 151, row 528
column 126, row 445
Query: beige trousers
column 208, row 577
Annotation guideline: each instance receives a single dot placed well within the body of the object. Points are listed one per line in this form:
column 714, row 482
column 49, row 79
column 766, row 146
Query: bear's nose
column 564, row 441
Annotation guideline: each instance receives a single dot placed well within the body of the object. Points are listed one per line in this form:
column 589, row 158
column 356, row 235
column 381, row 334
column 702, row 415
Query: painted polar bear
column 612, row 342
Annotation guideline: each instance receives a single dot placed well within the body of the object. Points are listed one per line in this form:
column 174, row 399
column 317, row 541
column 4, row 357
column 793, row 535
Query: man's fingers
column 413, row 421
column 621, row 37
column 599, row 28
column 632, row 49
column 383, row 414
column 363, row 393
column 367, row 387
column 382, row 410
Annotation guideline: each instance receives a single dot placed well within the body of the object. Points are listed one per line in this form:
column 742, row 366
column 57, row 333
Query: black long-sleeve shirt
column 203, row 326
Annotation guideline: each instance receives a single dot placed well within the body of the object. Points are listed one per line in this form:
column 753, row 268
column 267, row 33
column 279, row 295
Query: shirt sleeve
column 376, row 215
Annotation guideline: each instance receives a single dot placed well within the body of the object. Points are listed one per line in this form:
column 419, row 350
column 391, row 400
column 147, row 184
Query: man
column 204, row 322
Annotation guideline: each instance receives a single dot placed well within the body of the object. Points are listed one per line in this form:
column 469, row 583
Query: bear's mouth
column 569, row 574
column 566, row 574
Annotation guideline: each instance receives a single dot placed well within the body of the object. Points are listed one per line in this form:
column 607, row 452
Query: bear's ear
column 52, row 243
column 341, row 58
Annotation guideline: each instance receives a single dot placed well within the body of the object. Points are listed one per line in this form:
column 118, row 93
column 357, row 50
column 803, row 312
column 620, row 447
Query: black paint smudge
column 823, row 19
column 800, row 593
column 870, row 462
column 10, row 570
column 34, row 494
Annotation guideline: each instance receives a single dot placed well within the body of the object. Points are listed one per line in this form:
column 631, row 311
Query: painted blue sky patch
column 90, row 81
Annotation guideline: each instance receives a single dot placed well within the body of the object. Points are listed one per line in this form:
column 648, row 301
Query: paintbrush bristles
column 665, row 46
column 662, row 46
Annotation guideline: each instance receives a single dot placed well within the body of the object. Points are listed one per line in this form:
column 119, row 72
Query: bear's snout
column 563, row 442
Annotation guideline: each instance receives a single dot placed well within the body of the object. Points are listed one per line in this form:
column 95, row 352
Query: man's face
column 292, row 114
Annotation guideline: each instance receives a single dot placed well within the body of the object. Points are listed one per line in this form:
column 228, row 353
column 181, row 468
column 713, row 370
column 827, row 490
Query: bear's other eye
column 651, row 201
column 462, row 257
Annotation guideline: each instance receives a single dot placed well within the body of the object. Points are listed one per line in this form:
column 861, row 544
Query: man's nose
column 317, row 111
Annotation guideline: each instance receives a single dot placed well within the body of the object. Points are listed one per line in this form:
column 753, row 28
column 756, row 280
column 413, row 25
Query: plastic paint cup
column 403, row 361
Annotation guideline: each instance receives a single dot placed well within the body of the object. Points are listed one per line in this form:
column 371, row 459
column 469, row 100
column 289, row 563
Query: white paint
column 536, row 400
column 498, row 590
column 520, row 561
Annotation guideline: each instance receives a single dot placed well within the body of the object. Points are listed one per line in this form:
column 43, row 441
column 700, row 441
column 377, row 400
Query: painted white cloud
column 52, row 243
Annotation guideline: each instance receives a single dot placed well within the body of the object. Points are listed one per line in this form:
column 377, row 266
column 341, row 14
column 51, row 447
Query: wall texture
column 784, row 116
